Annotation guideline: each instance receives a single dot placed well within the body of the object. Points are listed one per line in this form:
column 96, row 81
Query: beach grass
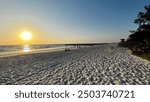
column 143, row 56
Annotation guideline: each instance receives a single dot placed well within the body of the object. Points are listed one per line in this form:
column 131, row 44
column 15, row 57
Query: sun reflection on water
column 26, row 48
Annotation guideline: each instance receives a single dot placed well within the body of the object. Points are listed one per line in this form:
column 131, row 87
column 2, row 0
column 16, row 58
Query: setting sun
column 26, row 36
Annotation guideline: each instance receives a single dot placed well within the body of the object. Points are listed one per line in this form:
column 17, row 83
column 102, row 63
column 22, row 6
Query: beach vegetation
column 139, row 40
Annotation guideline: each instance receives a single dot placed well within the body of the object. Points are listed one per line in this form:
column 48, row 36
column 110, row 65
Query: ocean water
column 15, row 49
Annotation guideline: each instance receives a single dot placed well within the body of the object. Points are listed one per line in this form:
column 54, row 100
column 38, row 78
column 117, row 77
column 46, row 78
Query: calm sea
column 14, row 49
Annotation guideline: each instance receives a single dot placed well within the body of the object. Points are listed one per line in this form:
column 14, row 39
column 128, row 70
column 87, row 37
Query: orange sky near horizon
column 11, row 35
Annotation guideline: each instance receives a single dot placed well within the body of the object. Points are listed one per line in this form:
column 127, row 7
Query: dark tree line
column 139, row 40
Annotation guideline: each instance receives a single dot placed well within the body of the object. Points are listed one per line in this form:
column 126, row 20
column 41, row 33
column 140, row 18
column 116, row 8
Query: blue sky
column 68, row 21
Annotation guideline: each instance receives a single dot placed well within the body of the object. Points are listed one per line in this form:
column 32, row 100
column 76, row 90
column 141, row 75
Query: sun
column 26, row 36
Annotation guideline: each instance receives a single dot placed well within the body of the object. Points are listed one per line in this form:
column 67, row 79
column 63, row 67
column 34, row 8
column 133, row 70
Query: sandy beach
column 98, row 65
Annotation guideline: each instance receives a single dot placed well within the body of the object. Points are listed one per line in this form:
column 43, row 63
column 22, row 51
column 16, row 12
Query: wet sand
column 98, row 65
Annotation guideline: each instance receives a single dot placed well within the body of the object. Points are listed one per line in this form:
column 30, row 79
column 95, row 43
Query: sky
column 68, row 21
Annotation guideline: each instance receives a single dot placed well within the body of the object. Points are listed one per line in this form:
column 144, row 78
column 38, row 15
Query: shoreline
column 18, row 53
column 43, row 50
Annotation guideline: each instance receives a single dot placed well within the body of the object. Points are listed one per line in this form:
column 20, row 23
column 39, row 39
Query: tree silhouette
column 143, row 17
column 139, row 40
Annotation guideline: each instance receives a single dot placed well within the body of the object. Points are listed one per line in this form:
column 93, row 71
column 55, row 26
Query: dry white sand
column 103, row 64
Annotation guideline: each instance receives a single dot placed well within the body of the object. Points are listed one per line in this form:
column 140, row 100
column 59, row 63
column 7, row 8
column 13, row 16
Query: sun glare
column 26, row 48
column 26, row 36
